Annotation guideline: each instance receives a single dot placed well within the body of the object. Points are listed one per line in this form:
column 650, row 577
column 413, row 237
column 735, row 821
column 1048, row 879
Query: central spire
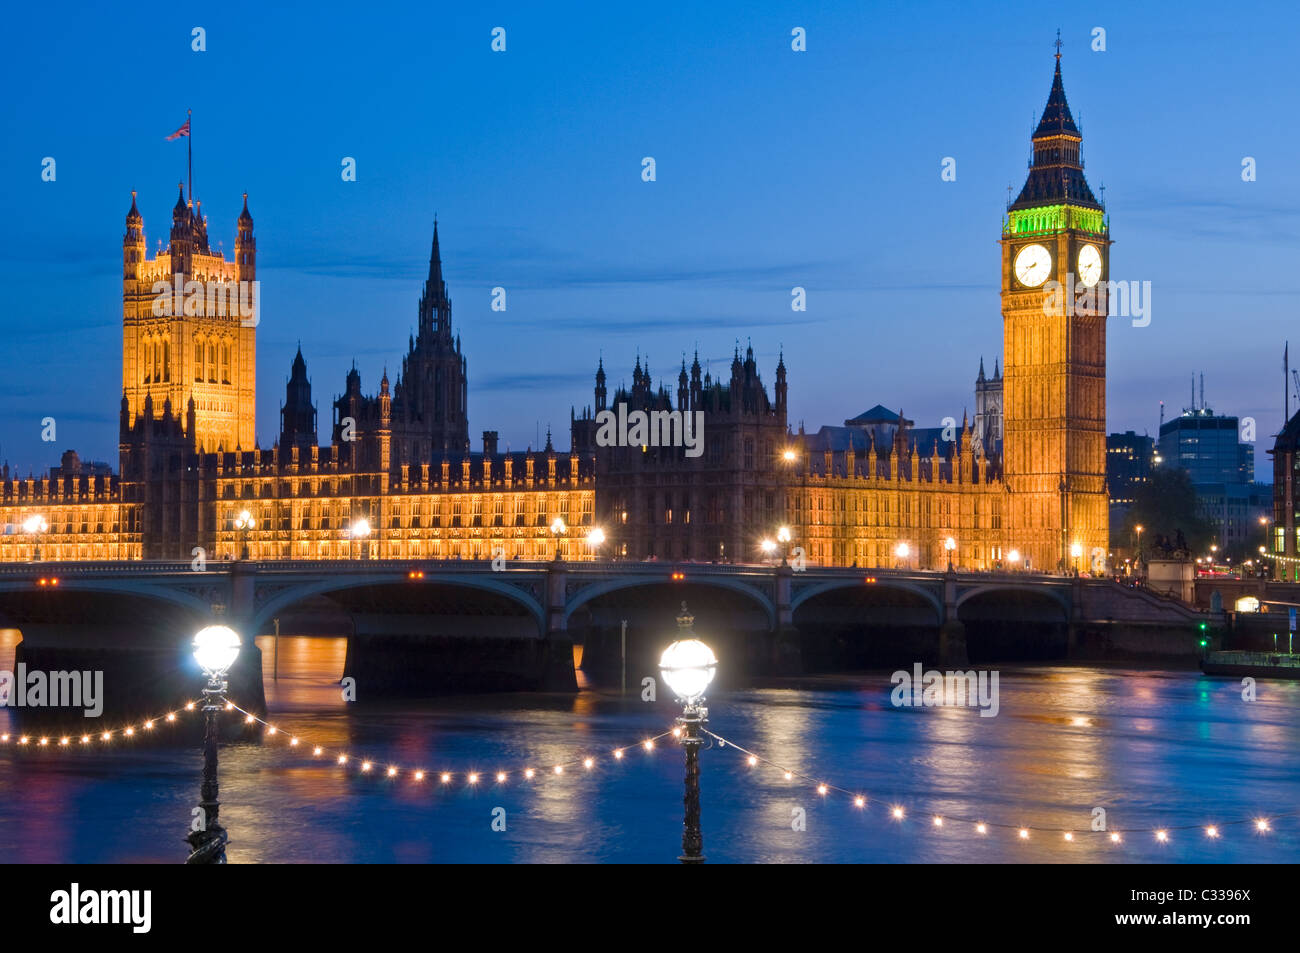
column 435, row 309
column 1056, row 171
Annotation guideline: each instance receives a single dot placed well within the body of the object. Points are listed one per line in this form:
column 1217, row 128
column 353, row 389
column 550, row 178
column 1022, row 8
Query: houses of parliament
column 1023, row 483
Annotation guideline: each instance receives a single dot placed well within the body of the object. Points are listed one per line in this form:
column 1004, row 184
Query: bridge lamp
column 768, row 547
column 687, row 667
column 359, row 530
column 33, row 526
column 1076, row 550
column 596, row 537
column 950, row 544
column 783, row 534
column 558, row 529
column 215, row 649
column 1013, row 557
column 244, row 522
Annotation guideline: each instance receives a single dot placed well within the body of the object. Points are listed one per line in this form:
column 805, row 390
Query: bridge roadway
column 160, row 604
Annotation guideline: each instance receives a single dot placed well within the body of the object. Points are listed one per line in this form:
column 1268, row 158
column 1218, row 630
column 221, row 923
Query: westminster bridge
column 451, row 626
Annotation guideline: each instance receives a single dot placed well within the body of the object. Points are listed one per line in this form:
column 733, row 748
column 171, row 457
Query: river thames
column 1155, row 749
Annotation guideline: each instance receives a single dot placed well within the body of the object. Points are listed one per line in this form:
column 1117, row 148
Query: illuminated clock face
column 1033, row 265
column 1089, row 265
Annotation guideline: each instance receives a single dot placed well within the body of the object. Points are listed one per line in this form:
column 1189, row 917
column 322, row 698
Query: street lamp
column 359, row 531
column 558, row 529
column 215, row 649
column 901, row 552
column 596, row 537
column 244, row 522
column 1076, row 550
column 1013, row 557
column 784, row 536
column 950, row 544
column 687, row 667
column 768, row 547
column 33, row 526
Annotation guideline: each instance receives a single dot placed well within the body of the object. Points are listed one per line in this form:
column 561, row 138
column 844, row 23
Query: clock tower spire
column 1055, row 266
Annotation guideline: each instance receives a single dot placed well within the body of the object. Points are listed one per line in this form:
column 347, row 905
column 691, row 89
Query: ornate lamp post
column 33, row 526
column 359, row 532
column 768, row 547
column 1076, row 550
column 1013, row 557
column 244, row 522
column 901, row 553
column 558, row 529
column 950, row 544
column 784, row 536
column 687, row 667
column 215, row 649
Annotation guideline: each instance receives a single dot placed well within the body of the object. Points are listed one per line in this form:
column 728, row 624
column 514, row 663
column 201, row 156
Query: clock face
column 1033, row 265
column 1089, row 265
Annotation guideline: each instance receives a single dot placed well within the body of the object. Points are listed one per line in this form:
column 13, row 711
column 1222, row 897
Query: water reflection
column 1151, row 748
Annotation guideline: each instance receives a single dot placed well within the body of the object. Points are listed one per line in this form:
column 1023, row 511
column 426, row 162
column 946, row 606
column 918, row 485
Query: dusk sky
column 775, row 169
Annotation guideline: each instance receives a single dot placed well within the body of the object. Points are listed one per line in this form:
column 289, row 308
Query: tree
column 1165, row 505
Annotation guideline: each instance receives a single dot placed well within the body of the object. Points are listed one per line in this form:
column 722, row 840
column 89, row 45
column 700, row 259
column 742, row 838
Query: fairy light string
column 981, row 827
column 24, row 741
column 101, row 739
column 584, row 762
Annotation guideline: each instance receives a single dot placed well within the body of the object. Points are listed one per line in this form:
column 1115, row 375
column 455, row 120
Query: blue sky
column 774, row 169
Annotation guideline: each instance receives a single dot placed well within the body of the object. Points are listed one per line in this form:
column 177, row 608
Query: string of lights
column 587, row 762
column 982, row 827
column 17, row 741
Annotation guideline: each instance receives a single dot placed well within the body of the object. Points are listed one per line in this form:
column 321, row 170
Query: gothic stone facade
column 1028, row 475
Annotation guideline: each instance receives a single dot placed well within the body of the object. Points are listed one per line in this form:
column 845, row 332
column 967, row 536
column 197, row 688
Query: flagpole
column 189, row 152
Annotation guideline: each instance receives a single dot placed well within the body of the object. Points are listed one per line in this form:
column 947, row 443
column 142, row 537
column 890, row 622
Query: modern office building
column 1129, row 457
column 1207, row 446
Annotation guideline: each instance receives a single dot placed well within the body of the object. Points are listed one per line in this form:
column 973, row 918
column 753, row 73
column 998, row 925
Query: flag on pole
column 184, row 130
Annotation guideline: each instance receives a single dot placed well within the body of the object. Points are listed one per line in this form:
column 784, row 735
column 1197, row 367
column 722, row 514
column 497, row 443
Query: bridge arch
column 1057, row 594
column 13, row 590
column 931, row 598
column 753, row 594
column 277, row 603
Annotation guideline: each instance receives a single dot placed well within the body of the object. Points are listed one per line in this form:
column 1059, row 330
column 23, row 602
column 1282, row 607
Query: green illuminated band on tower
column 1054, row 218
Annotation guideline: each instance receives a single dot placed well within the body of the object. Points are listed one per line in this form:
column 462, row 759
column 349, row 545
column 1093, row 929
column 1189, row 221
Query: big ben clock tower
column 1055, row 267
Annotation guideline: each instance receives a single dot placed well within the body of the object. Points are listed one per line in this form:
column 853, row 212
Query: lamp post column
column 209, row 843
column 692, row 837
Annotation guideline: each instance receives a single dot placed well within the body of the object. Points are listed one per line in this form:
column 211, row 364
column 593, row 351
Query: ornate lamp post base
column 692, row 838
column 209, row 844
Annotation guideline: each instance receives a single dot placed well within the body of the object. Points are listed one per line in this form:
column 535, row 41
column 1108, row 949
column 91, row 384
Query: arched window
column 167, row 359
column 198, row 359
column 212, row 362
column 225, row 363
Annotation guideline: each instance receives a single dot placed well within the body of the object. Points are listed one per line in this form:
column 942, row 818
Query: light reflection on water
column 1153, row 748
